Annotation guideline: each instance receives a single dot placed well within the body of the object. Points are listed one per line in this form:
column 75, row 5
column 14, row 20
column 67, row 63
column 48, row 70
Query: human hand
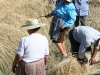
column 62, row 26
column 14, row 69
column 92, row 61
column 48, row 15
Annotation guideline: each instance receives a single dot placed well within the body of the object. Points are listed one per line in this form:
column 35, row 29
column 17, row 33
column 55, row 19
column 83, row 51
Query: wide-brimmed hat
column 32, row 24
column 68, row 0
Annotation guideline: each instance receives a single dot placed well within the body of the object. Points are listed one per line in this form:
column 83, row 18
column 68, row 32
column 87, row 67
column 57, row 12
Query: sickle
column 40, row 16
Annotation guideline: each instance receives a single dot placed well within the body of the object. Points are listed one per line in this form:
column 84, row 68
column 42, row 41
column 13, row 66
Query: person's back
column 35, row 47
column 86, row 33
column 82, row 9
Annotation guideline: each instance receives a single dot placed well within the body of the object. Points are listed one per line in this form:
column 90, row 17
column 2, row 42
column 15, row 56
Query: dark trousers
column 81, row 19
column 74, row 44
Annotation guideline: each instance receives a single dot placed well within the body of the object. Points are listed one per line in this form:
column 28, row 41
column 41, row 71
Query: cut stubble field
column 14, row 14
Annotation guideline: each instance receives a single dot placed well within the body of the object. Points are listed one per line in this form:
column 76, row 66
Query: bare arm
column 46, row 60
column 95, row 50
column 16, row 61
column 93, row 55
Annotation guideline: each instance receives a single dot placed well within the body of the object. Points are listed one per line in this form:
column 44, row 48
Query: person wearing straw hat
column 82, row 37
column 64, row 17
column 32, row 54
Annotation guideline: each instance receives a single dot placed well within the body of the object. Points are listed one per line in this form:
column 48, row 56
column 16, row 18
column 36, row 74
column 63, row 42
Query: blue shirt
column 67, row 12
column 82, row 7
column 86, row 36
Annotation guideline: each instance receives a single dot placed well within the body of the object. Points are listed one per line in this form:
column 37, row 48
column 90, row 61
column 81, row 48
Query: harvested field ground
column 14, row 14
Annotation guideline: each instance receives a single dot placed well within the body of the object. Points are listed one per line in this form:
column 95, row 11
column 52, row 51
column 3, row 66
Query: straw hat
column 32, row 24
column 68, row 0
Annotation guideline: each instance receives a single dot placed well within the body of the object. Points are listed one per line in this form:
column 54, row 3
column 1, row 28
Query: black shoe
column 82, row 61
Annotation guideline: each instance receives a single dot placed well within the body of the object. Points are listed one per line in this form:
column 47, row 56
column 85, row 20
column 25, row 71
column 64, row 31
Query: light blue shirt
column 67, row 12
column 82, row 7
column 86, row 36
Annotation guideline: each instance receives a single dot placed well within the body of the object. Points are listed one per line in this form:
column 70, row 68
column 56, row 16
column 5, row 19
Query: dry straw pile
column 69, row 66
column 14, row 14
